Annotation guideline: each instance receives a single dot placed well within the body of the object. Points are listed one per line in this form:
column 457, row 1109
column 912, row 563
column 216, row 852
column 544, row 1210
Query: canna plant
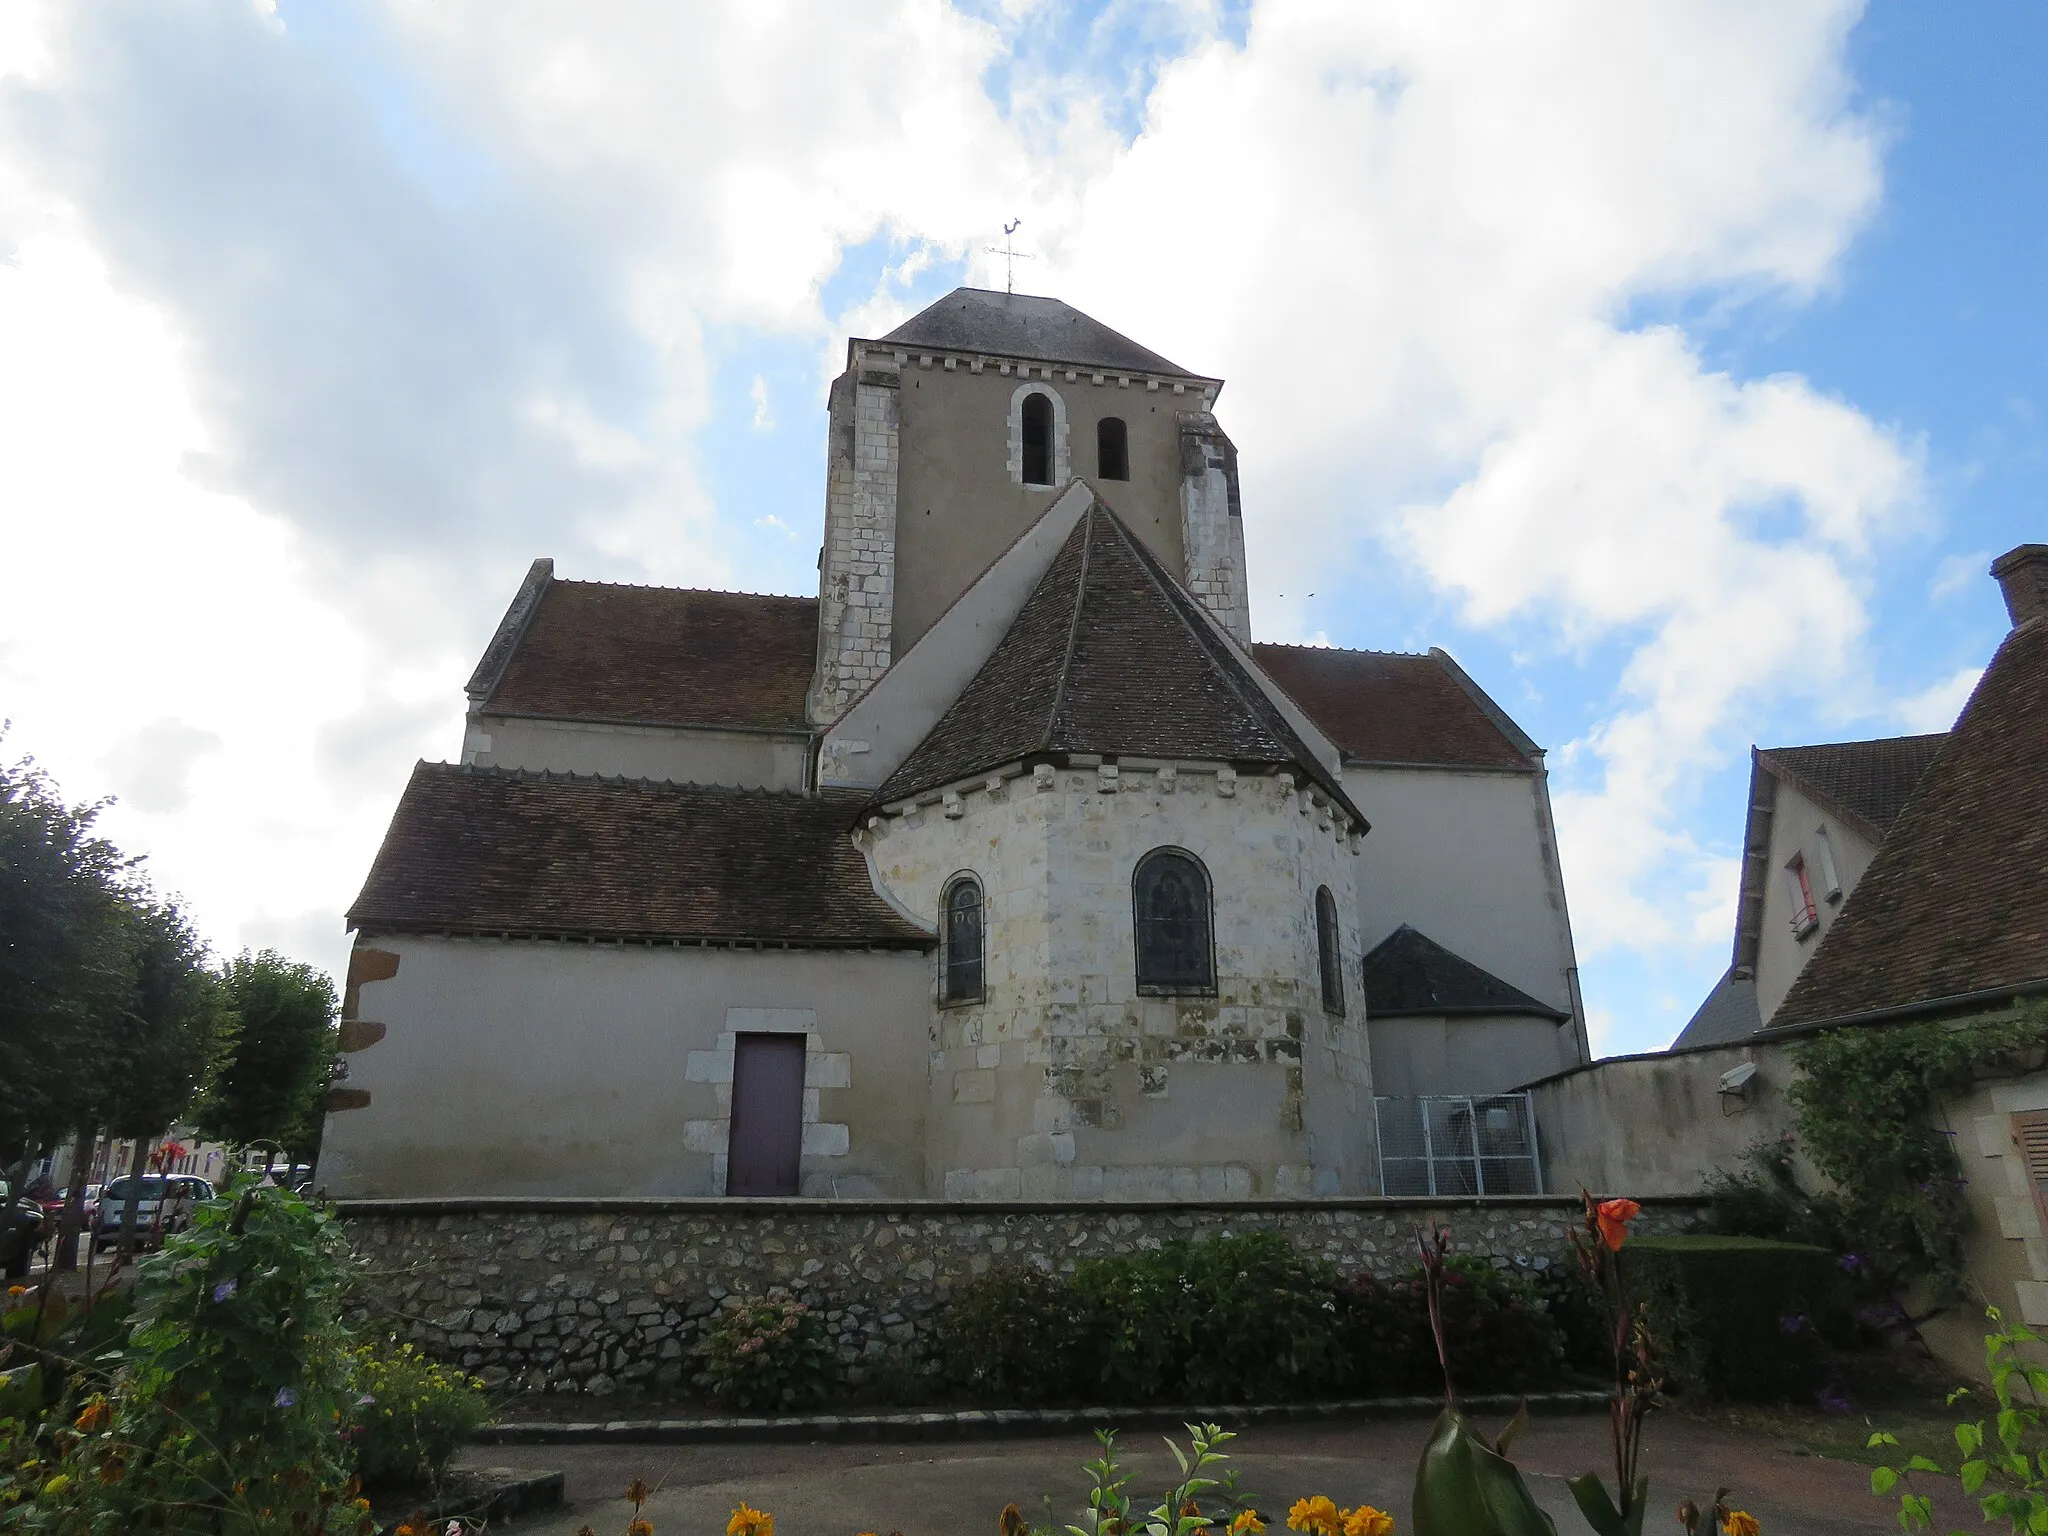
column 1597, row 1245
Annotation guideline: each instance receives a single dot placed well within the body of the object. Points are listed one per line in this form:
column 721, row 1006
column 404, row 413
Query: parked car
column 22, row 1229
column 164, row 1204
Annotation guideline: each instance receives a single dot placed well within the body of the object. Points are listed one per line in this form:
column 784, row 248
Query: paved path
column 957, row 1489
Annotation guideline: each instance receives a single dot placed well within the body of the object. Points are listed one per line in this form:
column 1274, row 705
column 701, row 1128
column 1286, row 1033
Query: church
column 1010, row 867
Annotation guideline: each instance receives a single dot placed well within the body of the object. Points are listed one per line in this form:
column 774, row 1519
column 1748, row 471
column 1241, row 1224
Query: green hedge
column 1735, row 1316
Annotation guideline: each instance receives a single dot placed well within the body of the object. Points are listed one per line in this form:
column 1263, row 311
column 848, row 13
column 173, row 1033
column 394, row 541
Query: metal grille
column 1449, row 1144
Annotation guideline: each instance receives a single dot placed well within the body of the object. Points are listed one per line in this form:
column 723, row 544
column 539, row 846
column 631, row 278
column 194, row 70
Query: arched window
column 1329, row 951
column 1170, row 912
column 960, row 941
column 1037, row 425
column 1112, row 449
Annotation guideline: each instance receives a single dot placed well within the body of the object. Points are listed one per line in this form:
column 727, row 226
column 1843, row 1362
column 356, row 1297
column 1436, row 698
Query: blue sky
column 1680, row 375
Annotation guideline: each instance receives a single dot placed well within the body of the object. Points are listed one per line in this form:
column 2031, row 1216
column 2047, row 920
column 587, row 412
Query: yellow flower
column 56, row 1485
column 1367, row 1521
column 640, row 1528
column 1314, row 1517
column 1247, row 1523
column 750, row 1522
column 92, row 1418
column 1740, row 1522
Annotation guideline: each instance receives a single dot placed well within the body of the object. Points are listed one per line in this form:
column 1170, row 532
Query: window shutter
column 2030, row 1135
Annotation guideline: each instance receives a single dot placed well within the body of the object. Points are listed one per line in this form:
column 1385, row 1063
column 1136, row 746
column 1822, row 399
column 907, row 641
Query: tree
column 271, row 1088
column 163, row 1047
column 65, row 962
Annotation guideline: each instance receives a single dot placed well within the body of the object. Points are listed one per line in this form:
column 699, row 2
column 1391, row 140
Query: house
column 1944, row 919
column 1008, row 867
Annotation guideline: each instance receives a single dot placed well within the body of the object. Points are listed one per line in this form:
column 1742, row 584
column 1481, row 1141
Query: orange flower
column 1247, row 1523
column 640, row 1528
column 1367, row 1521
column 1613, row 1217
column 1740, row 1522
column 636, row 1492
column 750, row 1522
column 1011, row 1521
column 93, row 1417
column 1315, row 1517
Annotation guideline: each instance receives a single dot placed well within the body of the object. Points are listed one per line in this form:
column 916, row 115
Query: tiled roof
column 490, row 851
column 1954, row 902
column 1867, row 780
column 1729, row 1013
column 1025, row 325
column 1410, row 973
column 1109, row 655
column 662, row 655
column 1382, row 707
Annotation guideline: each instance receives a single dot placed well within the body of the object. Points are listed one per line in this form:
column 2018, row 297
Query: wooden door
column 767, row 1139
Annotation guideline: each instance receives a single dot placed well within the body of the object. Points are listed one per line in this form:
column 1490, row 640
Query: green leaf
column 1921, row 1464
column 1593, row 1501
column 1463, row 1487
column 1882, row 1437
column 2010, row 1428
column 1969, row 1438
column 1883, row 1480
column 1973, row 1474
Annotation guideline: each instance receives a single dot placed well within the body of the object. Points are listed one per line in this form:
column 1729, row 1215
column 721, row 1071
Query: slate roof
column 496, row 851
column 1410, row 973
column 1954, row 902
column 1385, row 707
column 1728, row 1013
column 1025, row 325
column 1109, row 655
column 1866, row 781
column 662, row 656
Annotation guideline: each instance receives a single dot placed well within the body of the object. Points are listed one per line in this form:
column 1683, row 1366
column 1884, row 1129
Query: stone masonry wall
column 599, row 1297
column 857, row 579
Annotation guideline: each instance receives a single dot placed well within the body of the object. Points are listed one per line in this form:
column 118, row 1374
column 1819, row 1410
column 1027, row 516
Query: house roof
column 1385, row 707
column 1026, row 325
column 661, row 656
column 1729, row 1013
column 1410, row 973
column 1111, row 655
column 495, row 851
column 1864, row 781
column 1953, row 901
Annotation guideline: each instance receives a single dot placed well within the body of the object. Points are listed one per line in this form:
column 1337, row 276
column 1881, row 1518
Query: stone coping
column 733, row 1205
column 971, row 1424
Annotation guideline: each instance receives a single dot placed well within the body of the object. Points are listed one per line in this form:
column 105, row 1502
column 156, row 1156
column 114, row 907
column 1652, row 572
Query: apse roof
column 1410, row 973
column 1393, row 708
column 502, row 852
column 1026, row 325
column 1952, row 904
column 1109, row 655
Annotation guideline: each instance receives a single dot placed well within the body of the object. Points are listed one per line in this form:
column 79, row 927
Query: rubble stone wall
column 598, row 1297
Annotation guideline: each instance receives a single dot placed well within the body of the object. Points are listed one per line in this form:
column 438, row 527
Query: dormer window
column 1037, row 439
column 1112, row 449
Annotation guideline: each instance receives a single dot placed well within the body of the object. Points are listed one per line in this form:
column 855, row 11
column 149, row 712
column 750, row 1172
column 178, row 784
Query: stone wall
column 857, row 570
column 604, row 1296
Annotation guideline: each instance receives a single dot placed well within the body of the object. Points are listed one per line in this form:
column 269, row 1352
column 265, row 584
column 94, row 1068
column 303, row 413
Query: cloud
column 1958, row 573
column 151, row 770
column 383, row 302
column 1935, row 708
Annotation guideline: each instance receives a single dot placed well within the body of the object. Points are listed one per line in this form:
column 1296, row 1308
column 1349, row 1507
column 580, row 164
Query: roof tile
column 1384, row 707
column 485, row 850
column 1025, row 325
column 1869, row 780
column 1410, row 973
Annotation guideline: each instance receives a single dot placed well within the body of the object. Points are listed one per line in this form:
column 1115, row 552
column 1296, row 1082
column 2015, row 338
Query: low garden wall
column 599, row 1296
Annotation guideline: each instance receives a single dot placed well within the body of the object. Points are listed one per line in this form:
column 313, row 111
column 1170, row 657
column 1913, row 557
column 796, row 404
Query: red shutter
column 2030, row 1135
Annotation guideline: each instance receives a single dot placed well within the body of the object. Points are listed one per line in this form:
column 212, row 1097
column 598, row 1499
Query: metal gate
column 1451, row 1144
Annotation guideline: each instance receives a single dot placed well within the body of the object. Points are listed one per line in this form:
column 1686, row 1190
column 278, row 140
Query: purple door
column 767, row 1115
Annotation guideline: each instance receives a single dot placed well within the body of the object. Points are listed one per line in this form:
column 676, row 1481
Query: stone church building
column 1010, row 867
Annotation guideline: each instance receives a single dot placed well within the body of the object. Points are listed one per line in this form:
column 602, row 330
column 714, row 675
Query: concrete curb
column 975, row 1424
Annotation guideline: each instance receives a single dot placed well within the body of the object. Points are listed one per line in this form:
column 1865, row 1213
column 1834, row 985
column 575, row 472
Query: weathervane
column 1010, row 255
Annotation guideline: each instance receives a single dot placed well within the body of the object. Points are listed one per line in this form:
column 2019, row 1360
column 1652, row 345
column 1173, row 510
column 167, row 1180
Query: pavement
column 958, row 1489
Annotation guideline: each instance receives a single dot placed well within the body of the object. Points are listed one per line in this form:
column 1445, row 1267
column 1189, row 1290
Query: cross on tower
column 1010, row 255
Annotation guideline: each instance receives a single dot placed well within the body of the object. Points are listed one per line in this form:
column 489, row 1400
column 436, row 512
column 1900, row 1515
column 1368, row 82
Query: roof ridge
column 1059, row 688
column 1862, row 741
column 1341, row 650
column 650, row 586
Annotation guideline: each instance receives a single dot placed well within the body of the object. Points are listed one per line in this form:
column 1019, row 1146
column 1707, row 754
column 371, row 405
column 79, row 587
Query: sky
column 1679, row 369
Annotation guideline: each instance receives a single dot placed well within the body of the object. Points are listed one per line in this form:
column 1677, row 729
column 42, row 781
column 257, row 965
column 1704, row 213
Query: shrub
column 1016, row 1336
column 1739, row 1317
column 411, row 1415
column 1498, row 1331
column 767, row 1353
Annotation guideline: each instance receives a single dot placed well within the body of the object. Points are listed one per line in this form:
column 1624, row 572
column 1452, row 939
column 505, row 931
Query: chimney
column 2022, row 575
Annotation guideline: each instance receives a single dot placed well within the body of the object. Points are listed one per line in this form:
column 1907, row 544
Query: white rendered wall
column 749, row 759
column 1468, row 858
column 1066, row 1082
column 530, row 1068
column 1795, row 823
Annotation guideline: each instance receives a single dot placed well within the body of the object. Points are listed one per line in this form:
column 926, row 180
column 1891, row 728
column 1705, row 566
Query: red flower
column 1612, row 1218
